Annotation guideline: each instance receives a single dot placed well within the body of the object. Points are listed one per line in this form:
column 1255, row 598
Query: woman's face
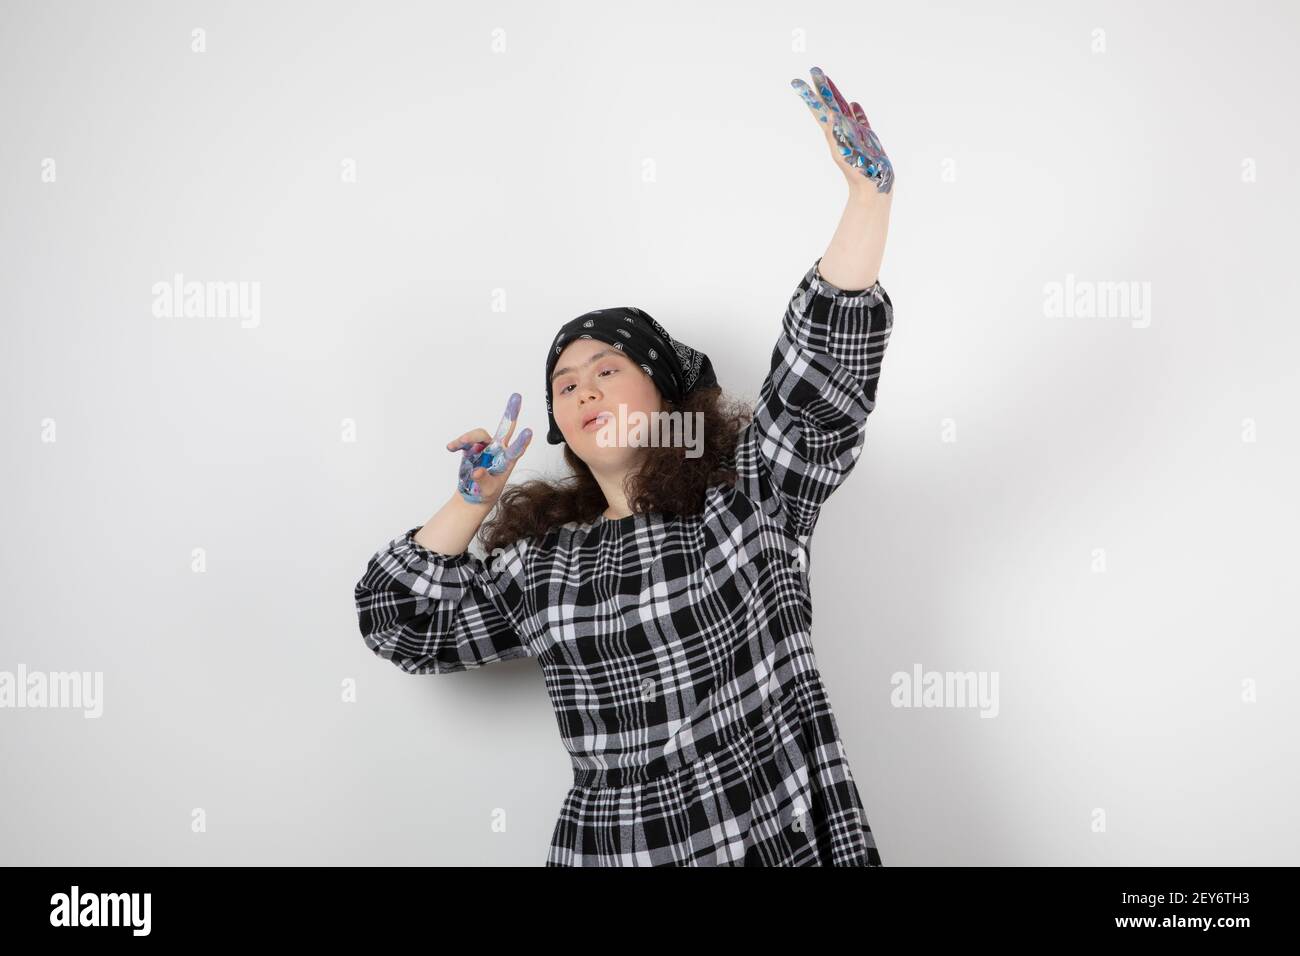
column 592, row 376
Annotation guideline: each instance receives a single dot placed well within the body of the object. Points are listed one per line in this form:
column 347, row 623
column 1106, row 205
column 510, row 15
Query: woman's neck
column 615, row 497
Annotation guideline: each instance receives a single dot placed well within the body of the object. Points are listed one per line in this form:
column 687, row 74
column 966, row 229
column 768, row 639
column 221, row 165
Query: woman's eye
column 565, row 390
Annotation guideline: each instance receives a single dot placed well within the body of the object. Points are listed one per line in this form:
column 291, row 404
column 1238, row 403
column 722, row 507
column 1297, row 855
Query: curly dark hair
column 667, row 480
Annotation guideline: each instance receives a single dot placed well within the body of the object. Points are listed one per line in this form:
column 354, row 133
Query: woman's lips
column 596, row 422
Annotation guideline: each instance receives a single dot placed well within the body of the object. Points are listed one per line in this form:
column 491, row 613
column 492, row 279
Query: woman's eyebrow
column 603, row 352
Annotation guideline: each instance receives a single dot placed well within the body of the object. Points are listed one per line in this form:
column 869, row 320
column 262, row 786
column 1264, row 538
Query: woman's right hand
column 486, row 461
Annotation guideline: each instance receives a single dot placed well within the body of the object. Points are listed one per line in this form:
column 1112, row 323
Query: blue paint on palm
column 857, row 142
column 492, row 456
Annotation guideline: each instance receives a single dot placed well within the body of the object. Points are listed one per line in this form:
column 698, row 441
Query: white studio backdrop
column 1091, row 507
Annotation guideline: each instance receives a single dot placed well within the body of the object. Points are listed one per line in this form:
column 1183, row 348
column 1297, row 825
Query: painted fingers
column 846, row 125
column 482, row 456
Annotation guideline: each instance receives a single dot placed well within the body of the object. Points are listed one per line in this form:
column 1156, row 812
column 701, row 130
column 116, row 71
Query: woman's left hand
column 854, row 144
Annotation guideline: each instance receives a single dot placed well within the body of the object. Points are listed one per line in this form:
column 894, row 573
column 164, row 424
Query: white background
column 1023, row 155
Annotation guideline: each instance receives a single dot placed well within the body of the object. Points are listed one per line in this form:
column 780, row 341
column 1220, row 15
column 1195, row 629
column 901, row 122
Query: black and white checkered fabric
column 676, row 651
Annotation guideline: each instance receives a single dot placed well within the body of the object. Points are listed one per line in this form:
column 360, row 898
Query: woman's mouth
column 597, row 422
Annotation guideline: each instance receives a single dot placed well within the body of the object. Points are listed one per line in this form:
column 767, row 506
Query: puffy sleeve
column 431, row 613
column 809, row 423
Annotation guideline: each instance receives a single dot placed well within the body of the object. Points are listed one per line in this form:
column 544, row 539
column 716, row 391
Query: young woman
column 664, row 588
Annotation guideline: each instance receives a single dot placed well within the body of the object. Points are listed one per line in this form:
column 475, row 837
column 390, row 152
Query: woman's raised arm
column 810, row 420
column 852, row 260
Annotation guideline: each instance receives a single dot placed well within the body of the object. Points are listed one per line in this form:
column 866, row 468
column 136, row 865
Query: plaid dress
column 676, row 650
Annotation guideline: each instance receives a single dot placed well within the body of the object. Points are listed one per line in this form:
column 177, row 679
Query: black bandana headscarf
column 676, row 368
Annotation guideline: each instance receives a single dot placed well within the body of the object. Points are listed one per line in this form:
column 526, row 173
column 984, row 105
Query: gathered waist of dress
column 596, row 778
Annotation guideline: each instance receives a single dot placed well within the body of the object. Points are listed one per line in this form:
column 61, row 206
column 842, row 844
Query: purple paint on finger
column 856, row 141
column 492, row 456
